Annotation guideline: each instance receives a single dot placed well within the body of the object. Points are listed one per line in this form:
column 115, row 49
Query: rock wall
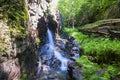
column 4, row 38
column 18, row 54
column 42, row 14
column 36, row 22
column 12, row 40
column 9, row 64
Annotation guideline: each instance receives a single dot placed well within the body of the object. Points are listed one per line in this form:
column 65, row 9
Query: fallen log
column 112, row 33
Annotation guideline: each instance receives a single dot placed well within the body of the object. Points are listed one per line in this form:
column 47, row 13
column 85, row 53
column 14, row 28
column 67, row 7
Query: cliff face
column 4, row 39
column 36, row 12
column 13, row 18
column 23, row 26
column 13, row 24
column 43, row 14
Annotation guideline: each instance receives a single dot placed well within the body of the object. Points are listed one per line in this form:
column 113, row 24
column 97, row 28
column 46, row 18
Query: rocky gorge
column 21, row 56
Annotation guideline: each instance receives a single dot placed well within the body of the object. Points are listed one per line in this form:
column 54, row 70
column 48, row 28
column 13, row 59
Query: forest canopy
column 87, row 11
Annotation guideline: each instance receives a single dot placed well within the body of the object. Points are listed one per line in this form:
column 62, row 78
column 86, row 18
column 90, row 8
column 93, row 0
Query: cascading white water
column 50, row 51
column 62, row 59
column 57, row 54
column 50, row 37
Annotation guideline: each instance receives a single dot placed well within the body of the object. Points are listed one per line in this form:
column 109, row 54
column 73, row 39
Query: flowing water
column 48, row 54
column 57, row 54
column 50, row 37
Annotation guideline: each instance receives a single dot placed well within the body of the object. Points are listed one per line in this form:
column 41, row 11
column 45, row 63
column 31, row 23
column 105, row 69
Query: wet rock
column 57, row 75
column 45, row 69
column 52, row 24
column 55, row 64
column 100, row 72
column 43, row 77
column 75, row 42
column 68, row 46
column 75, row 48
column 52, row 75
column 61, row 43
column 75, row 57
column 10, row 70
column 70, row 39
column 62, row 46
column 77, row 74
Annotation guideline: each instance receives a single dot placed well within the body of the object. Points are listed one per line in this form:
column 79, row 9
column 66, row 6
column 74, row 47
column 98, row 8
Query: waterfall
column 54, row 62
column 57, row 54
column 50, row 37
column 62, row 59
column 49, row 51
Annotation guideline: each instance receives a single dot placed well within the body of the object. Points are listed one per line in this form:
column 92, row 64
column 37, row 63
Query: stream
column 53, row 62
column 56, row 59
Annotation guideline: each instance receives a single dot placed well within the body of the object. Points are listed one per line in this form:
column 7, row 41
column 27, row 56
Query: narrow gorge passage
column 57, row 55
column 59, row 39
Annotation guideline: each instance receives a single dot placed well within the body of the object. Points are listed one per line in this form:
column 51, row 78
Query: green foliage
column 111, row 69
column 98, row 52
column 87, row 11
column 15, row 13
column 74, row 32
column 23, row 76
column 96, row 77
column 98, row 48
column 88, row 67
column 93, row 71
column 37, row 41
column 101, row 43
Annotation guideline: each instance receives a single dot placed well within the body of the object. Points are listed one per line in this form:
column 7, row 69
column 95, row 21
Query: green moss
column 74, row 32
column 37, row 41
column 100, row 47
column 95, row 77
column 17, row 15
column 98, row 54
column 89, row 69
column 23, row 76
column 93, row 71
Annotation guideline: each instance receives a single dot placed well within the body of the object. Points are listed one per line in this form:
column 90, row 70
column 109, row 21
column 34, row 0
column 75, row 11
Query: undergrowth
column 100, row 56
